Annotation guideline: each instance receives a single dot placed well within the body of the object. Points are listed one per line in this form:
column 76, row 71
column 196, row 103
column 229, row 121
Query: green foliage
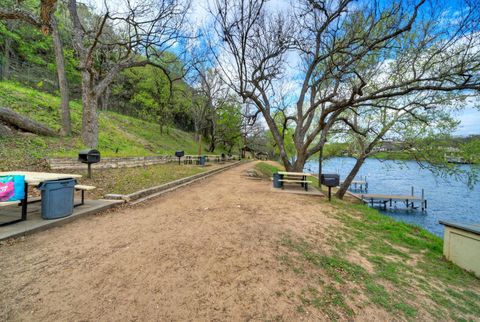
column 119, row 135
column 470, row 150
column 266, row 168
column 149, row 90
column 229, row 123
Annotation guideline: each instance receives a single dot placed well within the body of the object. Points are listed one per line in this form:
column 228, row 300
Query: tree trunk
column 299, row 163
column 105, row 99
column 89, row 116
column 6, row 56
column 211, row 148
column 348, row 180
column 320, row 163
column 62, row 80
column 24, row 123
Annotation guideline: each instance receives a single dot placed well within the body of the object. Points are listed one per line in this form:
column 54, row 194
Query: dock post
column 412, row 191
column 423, row 199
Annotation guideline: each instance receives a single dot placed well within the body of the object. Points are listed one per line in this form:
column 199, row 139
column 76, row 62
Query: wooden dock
column 410, row 201
column 359, row 185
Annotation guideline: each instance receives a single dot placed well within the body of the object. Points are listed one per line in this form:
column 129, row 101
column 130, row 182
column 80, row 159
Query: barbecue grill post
column 89, row 156
column 25, row 201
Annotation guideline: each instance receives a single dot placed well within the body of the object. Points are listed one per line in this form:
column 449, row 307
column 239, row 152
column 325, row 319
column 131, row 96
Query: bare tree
column 46, row 22
column 143, row 32
column 211, row 94
column 337, row 48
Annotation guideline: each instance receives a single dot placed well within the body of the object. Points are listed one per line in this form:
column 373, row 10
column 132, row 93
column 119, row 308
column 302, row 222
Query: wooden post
column 412, row 191
column 423, row 199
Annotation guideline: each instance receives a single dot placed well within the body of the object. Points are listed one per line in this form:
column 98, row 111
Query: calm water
column 448, row 199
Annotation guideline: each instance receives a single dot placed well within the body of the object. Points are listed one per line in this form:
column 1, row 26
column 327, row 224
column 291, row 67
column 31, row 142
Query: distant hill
column 120, row 135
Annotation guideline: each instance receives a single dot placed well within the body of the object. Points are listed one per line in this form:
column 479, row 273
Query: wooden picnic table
column 300, row 174
column 35, row 179
column 299, row 177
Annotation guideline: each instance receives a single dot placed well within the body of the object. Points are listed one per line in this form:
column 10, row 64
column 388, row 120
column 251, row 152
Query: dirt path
column 205, row 252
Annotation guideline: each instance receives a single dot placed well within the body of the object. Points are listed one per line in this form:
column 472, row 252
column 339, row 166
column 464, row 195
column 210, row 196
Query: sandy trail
column 205, row 252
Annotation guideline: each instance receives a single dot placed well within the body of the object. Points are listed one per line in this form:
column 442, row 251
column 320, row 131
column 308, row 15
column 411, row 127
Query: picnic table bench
column 295, row 177
column 83, row 188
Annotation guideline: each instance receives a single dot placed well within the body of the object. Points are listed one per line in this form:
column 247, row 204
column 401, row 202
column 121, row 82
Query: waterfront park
column 171, row 160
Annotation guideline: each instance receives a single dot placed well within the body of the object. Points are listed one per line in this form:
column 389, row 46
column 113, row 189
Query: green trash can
column 276, row 180
column 202, row 160
column 57, row 198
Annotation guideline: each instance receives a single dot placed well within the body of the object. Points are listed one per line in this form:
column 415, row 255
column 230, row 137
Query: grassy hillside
column 120, row 135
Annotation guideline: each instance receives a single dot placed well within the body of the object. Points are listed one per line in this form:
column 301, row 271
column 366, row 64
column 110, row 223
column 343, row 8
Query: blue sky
column 469, row 117
column 470, row 122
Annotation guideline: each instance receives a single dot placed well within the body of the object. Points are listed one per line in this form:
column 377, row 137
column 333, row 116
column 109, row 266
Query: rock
column 252, row 173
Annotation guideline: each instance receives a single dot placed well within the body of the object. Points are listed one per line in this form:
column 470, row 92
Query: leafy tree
column 47, row 23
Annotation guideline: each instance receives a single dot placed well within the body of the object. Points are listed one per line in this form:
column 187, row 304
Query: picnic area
column 176, row 160
column 252, row 254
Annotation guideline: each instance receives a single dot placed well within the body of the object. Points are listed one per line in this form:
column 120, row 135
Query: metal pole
column 25, row 201
column 320, row 157
column 89, row 170
column 412, row 191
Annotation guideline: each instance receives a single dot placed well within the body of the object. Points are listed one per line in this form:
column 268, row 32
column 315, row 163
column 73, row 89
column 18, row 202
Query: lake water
column 447, row 198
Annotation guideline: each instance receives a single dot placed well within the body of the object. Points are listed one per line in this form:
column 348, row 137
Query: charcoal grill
column 179, row 154
column 330, row 180
column 89, row 157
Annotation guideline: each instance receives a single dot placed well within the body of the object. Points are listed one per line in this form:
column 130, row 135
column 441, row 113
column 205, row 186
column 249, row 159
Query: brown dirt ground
column 205, row 252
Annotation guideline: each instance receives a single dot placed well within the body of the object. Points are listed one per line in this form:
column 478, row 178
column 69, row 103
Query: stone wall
column 108, row 163
column 126, row 162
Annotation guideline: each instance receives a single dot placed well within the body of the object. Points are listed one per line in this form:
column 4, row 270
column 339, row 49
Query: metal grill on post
column 179, row 154
column 330, row 180
column 89, row 157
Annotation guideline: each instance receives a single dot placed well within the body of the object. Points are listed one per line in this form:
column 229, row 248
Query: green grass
column 407, row 272
column 340, row 272
column 128, row 180
column 267, row 169
column 119, row 135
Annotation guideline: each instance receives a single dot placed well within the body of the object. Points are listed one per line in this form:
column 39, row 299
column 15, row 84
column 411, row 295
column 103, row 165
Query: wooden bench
column 83, row 188
column 9, row 203
column 304, row 183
